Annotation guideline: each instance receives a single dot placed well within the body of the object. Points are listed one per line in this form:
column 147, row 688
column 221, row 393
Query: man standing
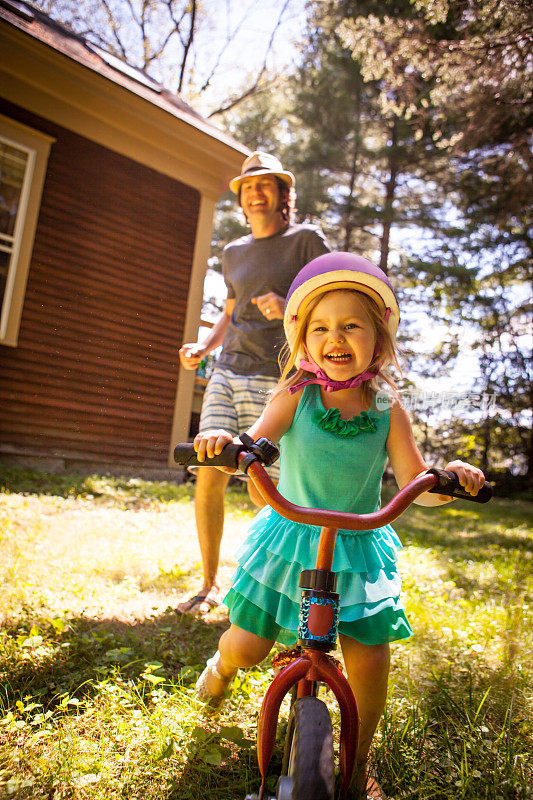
column 258, row 270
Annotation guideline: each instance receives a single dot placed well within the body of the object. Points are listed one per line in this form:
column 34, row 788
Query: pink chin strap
column 336, row 386
column 328, row 384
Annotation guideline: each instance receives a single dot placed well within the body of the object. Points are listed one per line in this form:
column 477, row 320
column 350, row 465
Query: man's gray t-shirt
column 253, row 267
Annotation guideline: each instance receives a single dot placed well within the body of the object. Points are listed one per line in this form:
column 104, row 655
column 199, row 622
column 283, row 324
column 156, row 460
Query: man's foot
column 201, row 603
column 369, row 788
column 211, row 686
column 373, row 790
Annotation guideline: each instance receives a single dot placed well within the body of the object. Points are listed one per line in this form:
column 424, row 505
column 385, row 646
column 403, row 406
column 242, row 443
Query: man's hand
column 191, row 354
column 271, row 305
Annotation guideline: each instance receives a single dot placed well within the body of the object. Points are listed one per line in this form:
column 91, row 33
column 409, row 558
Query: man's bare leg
column 209, row 509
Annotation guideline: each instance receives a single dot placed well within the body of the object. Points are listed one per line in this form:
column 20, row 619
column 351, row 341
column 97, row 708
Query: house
column 108, row 185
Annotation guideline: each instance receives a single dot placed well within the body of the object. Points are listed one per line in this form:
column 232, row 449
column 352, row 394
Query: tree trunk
column 390, row 189
column 487, row 430
column 529, row 473
column 349, row 226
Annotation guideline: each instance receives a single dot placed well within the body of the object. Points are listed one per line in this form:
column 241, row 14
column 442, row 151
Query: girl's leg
column 368, row 671
column 237, row 649
column 240, row 649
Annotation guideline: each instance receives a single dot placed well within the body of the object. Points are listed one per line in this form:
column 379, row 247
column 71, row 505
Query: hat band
column 255, row 169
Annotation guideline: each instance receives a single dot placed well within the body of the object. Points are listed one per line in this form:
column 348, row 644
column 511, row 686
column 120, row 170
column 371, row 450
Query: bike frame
column 319, row 613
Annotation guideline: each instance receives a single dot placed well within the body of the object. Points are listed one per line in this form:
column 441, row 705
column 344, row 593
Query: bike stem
column 326, row 546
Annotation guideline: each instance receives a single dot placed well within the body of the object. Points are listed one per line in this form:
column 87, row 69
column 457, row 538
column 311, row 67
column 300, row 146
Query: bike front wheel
column 310, row 767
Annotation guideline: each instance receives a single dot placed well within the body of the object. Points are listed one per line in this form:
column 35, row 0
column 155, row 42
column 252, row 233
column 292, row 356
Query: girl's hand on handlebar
column 471, row 478
column 211, row 443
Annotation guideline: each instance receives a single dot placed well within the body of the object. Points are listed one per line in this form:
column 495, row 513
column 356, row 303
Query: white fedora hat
column 261, row 164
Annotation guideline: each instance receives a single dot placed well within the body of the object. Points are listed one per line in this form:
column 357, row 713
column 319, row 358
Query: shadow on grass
column 49, row 665
column 121, row 490
column 197, row 781
column 497, row 535
column 458, row 672
column 237, row 775
column 472, row 543
column 464, row 526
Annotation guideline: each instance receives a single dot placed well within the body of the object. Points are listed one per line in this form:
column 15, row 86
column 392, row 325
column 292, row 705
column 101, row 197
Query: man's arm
column 192, row 353
column 272, row 305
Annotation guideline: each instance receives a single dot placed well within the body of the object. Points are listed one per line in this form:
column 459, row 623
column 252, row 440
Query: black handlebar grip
column 229, row 457
column 448, row 484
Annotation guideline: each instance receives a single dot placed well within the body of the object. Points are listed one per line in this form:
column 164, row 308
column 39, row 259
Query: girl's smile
column 339, row 357
column 340, row 335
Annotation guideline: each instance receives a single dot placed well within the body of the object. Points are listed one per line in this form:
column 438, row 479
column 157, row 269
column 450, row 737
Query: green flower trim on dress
column 331, row 422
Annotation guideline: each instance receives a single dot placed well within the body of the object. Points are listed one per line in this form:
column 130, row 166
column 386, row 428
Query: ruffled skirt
column 265, row 596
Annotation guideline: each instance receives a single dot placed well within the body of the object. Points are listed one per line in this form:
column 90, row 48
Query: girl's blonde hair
column 386, row 354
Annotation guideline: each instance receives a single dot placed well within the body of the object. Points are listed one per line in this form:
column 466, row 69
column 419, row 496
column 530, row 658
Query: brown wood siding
column 94, row 374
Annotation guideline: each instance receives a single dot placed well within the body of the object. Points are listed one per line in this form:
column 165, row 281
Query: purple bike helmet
column 333, row 271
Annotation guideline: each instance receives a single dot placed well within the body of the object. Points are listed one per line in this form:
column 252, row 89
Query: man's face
column 260, row 199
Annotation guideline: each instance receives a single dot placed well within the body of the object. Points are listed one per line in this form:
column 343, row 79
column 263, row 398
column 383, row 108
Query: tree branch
column 187, row 46
column 262, row 71
column 230, row 36
column 113, row 26
column 177, row 22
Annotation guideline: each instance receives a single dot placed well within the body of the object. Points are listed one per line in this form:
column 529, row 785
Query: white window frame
column 37, row 145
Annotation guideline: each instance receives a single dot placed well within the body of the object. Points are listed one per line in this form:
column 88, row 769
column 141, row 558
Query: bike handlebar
column 186, row 454
column 448, row 484
column 238, row 456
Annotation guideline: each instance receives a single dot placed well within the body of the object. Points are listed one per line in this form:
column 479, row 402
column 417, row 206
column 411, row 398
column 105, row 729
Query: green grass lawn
column 97, row 671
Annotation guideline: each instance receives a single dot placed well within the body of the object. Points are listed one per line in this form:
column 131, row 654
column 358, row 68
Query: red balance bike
column 308, row 763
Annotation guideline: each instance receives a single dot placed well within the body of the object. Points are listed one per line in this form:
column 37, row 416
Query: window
column 23, row 158
column 14, row 166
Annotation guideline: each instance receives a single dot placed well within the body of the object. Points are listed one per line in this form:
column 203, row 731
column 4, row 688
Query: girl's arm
column 276, row 418
column 407, row 462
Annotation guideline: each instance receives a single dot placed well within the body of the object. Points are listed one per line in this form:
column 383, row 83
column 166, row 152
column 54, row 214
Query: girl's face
column 340, row 335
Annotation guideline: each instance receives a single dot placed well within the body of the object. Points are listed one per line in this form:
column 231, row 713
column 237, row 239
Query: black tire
column 311, row 762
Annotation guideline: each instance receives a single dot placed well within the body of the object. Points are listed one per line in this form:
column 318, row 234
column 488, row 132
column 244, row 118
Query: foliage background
column 408, row 126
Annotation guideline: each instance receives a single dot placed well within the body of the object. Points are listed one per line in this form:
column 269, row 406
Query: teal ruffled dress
column 326, row 462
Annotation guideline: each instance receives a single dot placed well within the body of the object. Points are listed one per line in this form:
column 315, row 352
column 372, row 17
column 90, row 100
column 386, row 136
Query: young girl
column 340, row 322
